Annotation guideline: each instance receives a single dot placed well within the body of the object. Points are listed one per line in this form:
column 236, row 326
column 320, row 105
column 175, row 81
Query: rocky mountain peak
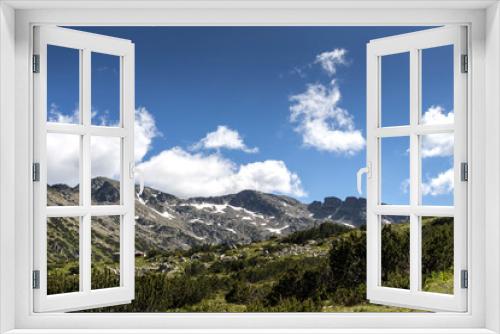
column 257, row 202
column 105, row 191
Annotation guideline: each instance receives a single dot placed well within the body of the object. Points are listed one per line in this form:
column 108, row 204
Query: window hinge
column 465, row 63
column 36, row 63
column 464, row 284
column 464, row 171
column 36, row 279
column 36, row 172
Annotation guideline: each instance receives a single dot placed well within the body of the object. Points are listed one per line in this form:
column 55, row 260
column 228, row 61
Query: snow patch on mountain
column 277, row 230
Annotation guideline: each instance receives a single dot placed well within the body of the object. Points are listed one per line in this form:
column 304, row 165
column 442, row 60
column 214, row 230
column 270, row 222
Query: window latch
column 137, row 173
column 365, row 170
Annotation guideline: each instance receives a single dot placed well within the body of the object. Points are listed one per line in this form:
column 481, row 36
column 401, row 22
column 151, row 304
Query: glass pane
column 437, row 169
column 63, row 169
column 395, row 89
column 63, row 267
column 105, row 170
column 395, row 251
column 105, row 89
column 437, row 85
column 395, row 170
column 105, row 252
column 63, row 84
column 437, row 254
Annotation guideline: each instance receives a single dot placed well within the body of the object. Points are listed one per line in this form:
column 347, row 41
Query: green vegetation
column 318, row 270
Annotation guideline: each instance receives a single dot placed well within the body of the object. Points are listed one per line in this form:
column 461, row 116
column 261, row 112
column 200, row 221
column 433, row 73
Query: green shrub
column 349, row 297
column 298, row 284
column 348, row 260
column 325, row 230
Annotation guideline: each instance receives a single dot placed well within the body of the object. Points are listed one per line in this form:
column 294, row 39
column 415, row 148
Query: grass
column 439, row 282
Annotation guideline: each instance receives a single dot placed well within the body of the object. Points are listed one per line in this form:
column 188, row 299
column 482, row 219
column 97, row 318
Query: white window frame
column 16, row 20
column 413, row 44
column 85, row 43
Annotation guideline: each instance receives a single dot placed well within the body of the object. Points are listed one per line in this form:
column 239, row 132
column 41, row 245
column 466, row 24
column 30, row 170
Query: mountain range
column 166, row 222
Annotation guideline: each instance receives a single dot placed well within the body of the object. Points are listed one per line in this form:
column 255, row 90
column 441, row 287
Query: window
column 481, row 311
column 69, row 224
column 428, row 60
column 234, row 240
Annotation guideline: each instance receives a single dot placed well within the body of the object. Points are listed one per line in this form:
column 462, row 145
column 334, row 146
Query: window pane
column 105, row 89
column 395, row 170
column 105, row 169
column 63, row 169
column 437, row 254
column 63, row 266
column 105, row 252
column 395, row 251
column 395, row 90
column 63, row 84
column 437, row 169
column 437, row 85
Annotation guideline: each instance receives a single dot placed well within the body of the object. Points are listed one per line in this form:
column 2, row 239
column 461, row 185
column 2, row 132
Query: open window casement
column 66, row 152
column 416, row 123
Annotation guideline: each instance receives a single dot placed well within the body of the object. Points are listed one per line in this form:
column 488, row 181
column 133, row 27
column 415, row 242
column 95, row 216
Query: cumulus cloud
column 55, row 115
column 437, row 145
column 63, row 150
column 63, row 159
column 322, row 123
column 224, row 137
column 331, row 59
column 144, row 132
column 317, row 116
column 437, row 115
column 187, row 174
column 440, row 185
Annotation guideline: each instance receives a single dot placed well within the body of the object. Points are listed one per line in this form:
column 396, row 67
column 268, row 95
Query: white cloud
column 322, row 123
column 55, row 115
column 63, row 150
column 63, row 159
column 144, row 132
column 437, row 145
column 175, row 170
column 440, row 185
column 331, row 59
column 186, row 174
column 224, row 137
column 437, row 115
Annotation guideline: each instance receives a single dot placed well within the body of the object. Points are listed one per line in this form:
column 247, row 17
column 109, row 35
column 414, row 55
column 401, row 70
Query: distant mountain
column 166, row 222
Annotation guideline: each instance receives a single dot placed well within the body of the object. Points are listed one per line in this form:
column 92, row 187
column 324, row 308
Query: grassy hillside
column 317, row 270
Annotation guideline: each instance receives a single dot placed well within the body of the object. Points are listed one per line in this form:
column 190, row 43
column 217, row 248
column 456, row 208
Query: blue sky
column 193, row 80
